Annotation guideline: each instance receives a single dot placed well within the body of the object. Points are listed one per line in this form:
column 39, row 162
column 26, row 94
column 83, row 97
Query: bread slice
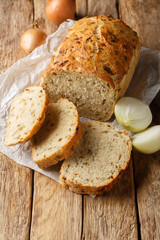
column 27, row 114
column 59, row 136
column 99, row 160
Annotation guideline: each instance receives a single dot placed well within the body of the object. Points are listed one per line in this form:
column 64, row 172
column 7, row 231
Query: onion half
column 147, row 141
column 133, row 114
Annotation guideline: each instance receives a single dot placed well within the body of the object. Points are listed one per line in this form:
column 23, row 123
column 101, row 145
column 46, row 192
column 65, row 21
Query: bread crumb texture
column 26, row 116
column 59, row 135
column 99, row 160
column 93, row 66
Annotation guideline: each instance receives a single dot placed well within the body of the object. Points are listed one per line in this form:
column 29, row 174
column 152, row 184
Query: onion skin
column 58, row 11
column 31, row 39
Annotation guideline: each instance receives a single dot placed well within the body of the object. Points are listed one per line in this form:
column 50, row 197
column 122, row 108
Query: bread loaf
column 93, row 66
column 59, row 135
column 100, row 158
column 26, row 116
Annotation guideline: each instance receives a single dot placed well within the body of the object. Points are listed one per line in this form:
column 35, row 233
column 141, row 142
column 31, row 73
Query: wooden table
column 32, row 206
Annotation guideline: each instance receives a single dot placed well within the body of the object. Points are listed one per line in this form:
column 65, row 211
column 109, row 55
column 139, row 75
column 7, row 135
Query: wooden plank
column 102, row 7
column 81, row 8
column 94, row 8
column 113, row 215
column 147, row 172
column 12, row 25
column 15, row 200
column 57, row 212
column 143, row 16
column 40, row 17
column 48, row 194
column 15, row 180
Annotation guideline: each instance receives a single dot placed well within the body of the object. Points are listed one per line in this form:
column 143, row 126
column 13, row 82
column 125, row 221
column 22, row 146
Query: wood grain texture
column 15, row 180
column 15, row 200
column 143, row 16
column 81, row 8
column 93, row 8
column 147, row 175
column 113, row 215
column 12, row 25
column 57, row 212
column 40, row 17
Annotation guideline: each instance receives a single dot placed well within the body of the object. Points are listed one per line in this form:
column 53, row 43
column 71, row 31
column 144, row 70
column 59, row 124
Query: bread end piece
column 26, row 116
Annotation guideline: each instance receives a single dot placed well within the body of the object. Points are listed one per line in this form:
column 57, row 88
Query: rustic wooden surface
column 12, row 26
column 15, row 180
column 147, row 181
column 57, row 212
column 95, row 8
column 15, row 200
column 143, row 16
column 131, row 210
column 147, row 175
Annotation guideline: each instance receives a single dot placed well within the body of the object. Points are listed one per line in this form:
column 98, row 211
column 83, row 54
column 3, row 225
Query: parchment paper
column 27, row 71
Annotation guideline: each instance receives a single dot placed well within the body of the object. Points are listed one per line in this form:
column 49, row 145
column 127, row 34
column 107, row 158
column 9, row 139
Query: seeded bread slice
column 99, row 160
column 59, row 136
column 27, row 114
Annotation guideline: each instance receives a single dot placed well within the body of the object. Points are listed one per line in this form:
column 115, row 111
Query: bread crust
column 101, row 47
column 66, row 151
column 80, row 189
column 87, row 189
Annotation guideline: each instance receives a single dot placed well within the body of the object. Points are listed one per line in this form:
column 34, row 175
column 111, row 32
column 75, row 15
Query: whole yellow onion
column 31, row 39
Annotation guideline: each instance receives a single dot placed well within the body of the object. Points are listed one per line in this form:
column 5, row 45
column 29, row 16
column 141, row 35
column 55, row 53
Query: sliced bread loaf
column 93, row 66
column 102, row 155
column 27, row 114
column 59, row 136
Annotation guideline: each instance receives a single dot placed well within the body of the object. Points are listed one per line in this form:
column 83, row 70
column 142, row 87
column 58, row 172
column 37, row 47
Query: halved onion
column 133, row 114
column 147, row 141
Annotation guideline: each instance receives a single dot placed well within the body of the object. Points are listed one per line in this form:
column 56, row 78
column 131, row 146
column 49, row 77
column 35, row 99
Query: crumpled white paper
column 27, row 71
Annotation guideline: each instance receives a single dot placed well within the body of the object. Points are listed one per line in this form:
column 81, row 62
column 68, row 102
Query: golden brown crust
column 93, row 190
column 127, row 78
column 66, row 151
column 77, row 188
column 101, row 47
